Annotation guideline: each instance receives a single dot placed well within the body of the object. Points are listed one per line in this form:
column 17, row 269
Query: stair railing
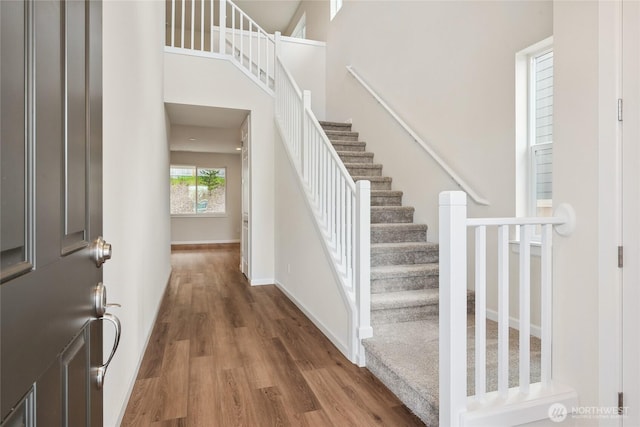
column 236, row 36
column 341, row 207
column 421, row 142
column 456, row 408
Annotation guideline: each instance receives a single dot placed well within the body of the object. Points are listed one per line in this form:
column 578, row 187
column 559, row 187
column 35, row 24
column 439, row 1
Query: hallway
column 223, row 353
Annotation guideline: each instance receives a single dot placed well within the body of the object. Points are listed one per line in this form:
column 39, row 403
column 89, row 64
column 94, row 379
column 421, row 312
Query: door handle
column 101, row 370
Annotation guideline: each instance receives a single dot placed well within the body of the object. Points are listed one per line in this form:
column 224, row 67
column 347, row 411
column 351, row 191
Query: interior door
column 244, row 242
column 631, row 211
column 51, row 197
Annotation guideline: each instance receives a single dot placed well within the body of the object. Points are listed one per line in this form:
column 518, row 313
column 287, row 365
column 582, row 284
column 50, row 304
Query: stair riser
column 382, row 217
column 409, row 283
column 386, row 200
column 406, row 314
column 341, row 128
column 381, row 185
column 349, row 147
column 424, row 408
column 344, row 136
column 356, row 159
column 360, row 171
column 398, row 236
column 403, row 257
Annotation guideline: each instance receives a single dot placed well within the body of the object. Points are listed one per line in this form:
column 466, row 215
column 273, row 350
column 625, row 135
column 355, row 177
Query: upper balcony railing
column 222, row 29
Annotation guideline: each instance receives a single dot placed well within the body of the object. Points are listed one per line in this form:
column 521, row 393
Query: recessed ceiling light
column 192, row 139
column 238, row 148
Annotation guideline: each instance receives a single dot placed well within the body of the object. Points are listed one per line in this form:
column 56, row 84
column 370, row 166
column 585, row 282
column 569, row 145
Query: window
column 534, row 130
column 335, row 5
column 541, row 134
column 197, row 191
column 300, row 31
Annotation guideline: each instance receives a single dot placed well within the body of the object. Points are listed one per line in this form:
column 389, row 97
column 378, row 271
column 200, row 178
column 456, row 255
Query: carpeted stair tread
column 342, row 135
column 329, row 125
column 356, row 156
column 398, row 232
column 404, row 299
column 392, row 271
column 391, row 214
column 349, row 146
column 377, row 182
column 406, row 246
column 385, row 193
column 405, row 358
column 363, row 166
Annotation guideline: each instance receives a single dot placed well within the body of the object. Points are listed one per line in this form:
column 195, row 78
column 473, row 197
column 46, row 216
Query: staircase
column 403, row 352
column 404, row 281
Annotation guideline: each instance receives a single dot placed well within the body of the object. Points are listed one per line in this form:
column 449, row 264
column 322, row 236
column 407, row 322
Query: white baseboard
column 261, row 282
column 144, row 349
column 514, row 323
column 204, row 242
column 326, row 331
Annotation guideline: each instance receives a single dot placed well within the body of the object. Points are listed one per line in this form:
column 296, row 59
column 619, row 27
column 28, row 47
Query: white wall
column 219, row 229
column 306, row 61
column 136, row 155
column 302, row 267
column 448, row 69
column 317, row 18
column 218, row 83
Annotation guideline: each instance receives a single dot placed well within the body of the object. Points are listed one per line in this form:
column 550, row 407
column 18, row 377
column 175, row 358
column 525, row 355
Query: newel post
column 223, row 26
column 363, row 265
column 453, row 306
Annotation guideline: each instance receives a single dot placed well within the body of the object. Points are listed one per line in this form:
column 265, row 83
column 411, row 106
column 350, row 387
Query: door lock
column 100, row 251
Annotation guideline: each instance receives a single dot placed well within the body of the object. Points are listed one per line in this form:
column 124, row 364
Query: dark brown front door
column 51, row 170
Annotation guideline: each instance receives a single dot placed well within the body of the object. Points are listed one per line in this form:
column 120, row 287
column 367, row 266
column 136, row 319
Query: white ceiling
column 204, row 129
column 272, row 15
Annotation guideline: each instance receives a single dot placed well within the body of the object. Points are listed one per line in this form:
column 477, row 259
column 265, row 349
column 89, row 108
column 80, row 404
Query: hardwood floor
column 223, row 353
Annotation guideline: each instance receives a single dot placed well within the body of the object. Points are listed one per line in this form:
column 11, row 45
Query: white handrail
column 445, row 167
column 454, row 403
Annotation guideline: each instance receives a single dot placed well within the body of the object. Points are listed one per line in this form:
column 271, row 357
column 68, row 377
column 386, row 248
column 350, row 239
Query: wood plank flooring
column 223, row 353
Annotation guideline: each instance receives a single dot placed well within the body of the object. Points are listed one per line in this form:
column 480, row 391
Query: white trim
column 514, row 323
column 326, row 331
column 518, row 408
column 125, row 402
column 421, row 143
column 287, row 39
column 261, row 282
column 203, row 242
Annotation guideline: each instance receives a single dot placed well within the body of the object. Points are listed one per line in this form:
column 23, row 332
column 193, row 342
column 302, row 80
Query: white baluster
column 222, row 22
column 202, row 25
column 525, row 306
column 182, row 29
column 481, row 311
column 211, row 24
column 173, row 23
column 233, row 34
column 453, row 314
column 503, row 310
column 193, row 23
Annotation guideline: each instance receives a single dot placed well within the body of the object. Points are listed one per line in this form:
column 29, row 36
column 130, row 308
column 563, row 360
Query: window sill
column 535, row 247
column 212, row 215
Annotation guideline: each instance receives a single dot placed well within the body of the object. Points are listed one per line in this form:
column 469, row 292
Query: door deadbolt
column 100, row 251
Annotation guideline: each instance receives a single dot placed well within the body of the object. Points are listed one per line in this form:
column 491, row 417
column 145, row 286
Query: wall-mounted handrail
column 439, row 160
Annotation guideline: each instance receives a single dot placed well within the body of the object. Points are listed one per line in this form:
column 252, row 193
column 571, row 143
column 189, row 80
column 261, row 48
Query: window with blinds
column 541, row 132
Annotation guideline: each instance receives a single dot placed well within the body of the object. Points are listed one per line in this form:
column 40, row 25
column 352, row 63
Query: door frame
column 245, row 211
